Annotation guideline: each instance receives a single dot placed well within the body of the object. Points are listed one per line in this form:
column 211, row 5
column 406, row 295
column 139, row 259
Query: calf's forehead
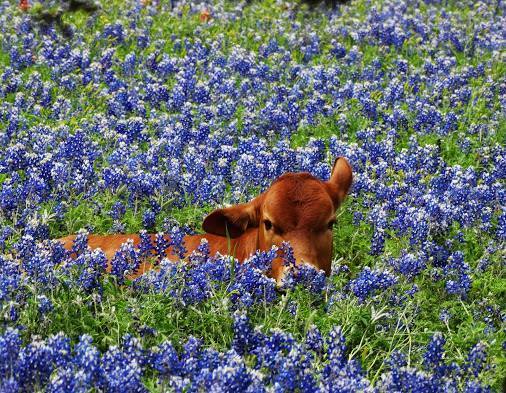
column 298, row 202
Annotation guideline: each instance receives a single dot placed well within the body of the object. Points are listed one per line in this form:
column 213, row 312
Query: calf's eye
column 330, row 225
column 268, row 225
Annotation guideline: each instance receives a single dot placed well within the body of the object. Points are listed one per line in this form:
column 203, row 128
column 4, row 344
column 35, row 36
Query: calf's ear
column 340, row 180
column 234, row 219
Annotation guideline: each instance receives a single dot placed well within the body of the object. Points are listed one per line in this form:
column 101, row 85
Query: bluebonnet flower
column 9, row 385
column 483, row 264
column 148, row 218
column 115, row 32
column 125, row 261
column 44, row 304
column 203, row 249
column 37, row 261
column 161, row 245
column 444, row 315
column 281, row 361
column 35, row 364
column 129, row 64
column 338, row 50
column 409, row 265
column 86, row 271
column 245, row 338
column 177, row 242
column 476, row 359
column 67, row 380
column 80, row 244
column 411, row 291
column 314, row 340
column 10, row 278
column 165, row 360
column 288, row 256
column 10, row 346
column 336, row 349
column 501, row 225
column 262, row 260
column 457, row 271
column 120, row 373
column 253, row 281
column 292, row 307
column 370, row 281
column 146, row 244
column 433, row 357
column 338, row 372
column 309, row 277
column 117, row 210
column 86, row 359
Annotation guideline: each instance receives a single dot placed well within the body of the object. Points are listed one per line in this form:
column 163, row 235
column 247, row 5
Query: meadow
column 143, row 117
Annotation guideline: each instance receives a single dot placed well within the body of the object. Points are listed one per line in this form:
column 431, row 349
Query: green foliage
column 373, row 329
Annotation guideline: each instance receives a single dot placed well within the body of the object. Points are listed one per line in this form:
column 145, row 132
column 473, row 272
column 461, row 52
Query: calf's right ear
column 340, row 180
column 234, row 220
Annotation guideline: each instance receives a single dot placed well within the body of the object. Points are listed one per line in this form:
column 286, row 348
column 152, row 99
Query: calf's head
column 297, row 208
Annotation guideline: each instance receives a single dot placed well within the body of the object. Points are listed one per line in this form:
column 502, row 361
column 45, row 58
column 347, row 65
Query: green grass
column 373, row 329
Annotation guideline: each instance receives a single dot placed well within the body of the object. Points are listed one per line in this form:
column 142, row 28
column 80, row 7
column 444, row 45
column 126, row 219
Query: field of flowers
column 145, row 116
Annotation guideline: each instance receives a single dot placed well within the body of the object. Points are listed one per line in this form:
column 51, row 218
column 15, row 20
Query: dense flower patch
column 276, row 359
column 143, row 116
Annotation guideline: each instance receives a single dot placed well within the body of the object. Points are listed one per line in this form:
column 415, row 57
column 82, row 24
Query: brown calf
column 297, row 207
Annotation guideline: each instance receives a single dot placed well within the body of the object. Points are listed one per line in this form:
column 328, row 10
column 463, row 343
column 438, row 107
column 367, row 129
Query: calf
column 297, row 207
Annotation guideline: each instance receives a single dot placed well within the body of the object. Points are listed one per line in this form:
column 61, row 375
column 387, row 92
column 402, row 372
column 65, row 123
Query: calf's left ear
column 234, row 219
column 340, row 180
